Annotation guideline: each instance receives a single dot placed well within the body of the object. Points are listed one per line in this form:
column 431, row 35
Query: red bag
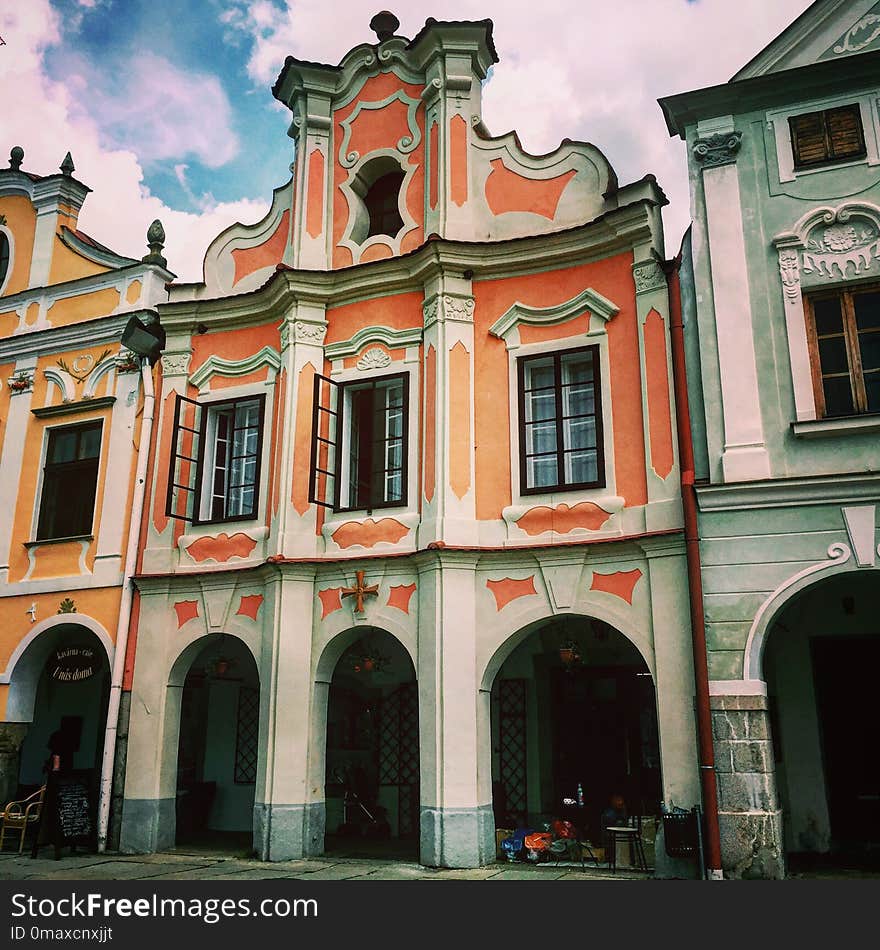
column 539, row 841
column 564, row 829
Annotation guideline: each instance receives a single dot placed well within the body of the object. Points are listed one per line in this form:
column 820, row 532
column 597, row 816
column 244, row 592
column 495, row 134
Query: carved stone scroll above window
column 312, row 333
column 374, row 358
column 648, row 276
column 719, row 149
column 600, row 309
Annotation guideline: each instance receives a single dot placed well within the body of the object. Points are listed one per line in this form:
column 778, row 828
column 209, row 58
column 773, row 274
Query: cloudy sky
column 166, row 106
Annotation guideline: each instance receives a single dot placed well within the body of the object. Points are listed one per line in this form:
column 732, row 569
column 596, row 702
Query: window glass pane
column 577, row 368
column 872, row 390
column 539, row 373
column 869, row 347
column 90, row 443
column 580, row 467
column 579, row 433
column 838, row 396
column 62, row 445
column 540, row 437
column 540, row 405
column 541, row 472
column 867, row 307
column 828, row 314
column 832, row 355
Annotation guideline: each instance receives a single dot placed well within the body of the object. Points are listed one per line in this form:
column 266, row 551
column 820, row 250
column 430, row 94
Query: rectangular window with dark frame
column 833, row 135
column 560, row 421
column 215, row 468
column 843, row 332
column 360, row 443
column 70, row 480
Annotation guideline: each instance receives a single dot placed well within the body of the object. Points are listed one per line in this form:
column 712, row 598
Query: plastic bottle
column 580, row 795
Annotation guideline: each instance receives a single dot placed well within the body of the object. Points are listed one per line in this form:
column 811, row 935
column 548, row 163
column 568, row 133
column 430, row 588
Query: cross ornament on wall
column 360, row 590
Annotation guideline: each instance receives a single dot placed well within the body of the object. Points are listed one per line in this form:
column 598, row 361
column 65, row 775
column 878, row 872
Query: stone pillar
column 282, row 827
column 750, row 817
column 457, row 829
column 11, row 737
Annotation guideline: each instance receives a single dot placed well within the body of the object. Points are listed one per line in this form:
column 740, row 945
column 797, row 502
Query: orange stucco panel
column 133, row 293
column 430, row 422
column 131, row 643
column 330, row 600
column 233, row 344
column 458, row 160
column 398, row 311
column 268, row 254
column 56, row 560
column 369, row 533
column 32, row 314
column 226, row 382
column 509, row 588
column 620, row 583
column 21, row 220
column 577, row 326
column 8, row 323
column 249, row 605
column 563, row 518
column 377, row 252
column 302, row 440
column 83, row 307
column 434, row 158
column 509, row 191
column 459, row 420
column 274, row 440
column 659, row 396
column 611, row 277
column 400, row 596
column 186, row 610
column 315, row 199
column 373, row 126
column 221, row 548
column 67, row 264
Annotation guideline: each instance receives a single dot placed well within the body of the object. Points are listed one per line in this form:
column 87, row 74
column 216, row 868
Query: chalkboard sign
column 73, row 808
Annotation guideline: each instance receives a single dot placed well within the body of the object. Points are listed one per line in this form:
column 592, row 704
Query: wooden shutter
column 808, row 138
column 845, row 132
column 187, row 453
column 323, row 481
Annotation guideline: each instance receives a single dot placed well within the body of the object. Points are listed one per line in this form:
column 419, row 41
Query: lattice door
column 512, row 740
column 399, row 753
column 247, row 736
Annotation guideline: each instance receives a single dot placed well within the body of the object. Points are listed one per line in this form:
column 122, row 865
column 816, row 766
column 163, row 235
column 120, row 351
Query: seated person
column 614, row 815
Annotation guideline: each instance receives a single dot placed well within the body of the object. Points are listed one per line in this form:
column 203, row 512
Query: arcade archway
column 819, row 663
column 573, row 722
column 372, row 752
column 218, row 747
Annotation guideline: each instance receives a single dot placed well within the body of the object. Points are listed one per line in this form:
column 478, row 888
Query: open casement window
column 215, row 463
column 820, row 138
column 843, row 331
column 560, row 421
column 359, row 443
column 70, row 480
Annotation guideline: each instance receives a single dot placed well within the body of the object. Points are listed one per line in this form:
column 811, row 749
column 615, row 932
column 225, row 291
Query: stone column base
column 457, row 837
column 288, row 832
column 148, row 825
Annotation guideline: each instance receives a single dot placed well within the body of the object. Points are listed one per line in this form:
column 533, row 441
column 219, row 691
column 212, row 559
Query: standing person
column 62, row 746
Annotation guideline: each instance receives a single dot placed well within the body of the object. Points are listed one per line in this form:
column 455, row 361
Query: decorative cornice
column 60, row 339
column 99, row 255
column 718, row 149
column 789, row 492
column 216, row 365
column 393, row 339
column 648, row 276
column 587, row 301
column 67, row 408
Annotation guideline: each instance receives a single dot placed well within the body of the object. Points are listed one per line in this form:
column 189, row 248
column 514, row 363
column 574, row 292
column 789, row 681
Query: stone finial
column 67, row 166
column 156, row 241
column 16, row 157
column 384, row 25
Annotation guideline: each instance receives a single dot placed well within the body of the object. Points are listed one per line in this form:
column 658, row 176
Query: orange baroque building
column 74, row 411
column 413, row 566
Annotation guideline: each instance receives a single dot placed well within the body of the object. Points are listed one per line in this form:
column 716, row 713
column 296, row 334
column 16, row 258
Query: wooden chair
column 630, row 832
column 18, row 816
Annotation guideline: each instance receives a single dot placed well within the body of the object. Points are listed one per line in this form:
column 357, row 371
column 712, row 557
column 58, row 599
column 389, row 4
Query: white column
column 745, row 455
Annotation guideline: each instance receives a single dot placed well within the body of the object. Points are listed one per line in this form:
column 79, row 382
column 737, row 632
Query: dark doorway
column 372, row 779
column 844, row 673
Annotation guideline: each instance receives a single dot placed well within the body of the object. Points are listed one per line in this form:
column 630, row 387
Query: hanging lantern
column 570, row 653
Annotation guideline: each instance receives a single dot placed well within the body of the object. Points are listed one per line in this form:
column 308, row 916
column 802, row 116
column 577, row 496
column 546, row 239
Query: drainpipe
column 122, row 629
column 708, row 782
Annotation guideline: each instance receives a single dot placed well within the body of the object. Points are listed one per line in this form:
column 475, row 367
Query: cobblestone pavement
column 182, row 866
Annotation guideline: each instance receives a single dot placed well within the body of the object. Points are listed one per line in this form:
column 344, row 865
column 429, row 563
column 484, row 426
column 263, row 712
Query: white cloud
column 46, row 119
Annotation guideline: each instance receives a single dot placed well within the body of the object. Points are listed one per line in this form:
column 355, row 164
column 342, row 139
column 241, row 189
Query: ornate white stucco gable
column 826, row 246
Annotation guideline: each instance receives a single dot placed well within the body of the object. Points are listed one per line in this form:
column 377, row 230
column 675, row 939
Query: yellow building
column 72, row 419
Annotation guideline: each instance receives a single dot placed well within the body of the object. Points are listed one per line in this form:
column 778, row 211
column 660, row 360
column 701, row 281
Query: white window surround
column 11, row 244
column 219, row 398
column 407, row 514
column 777, row 123
column 605, row 496
column 809, row 264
